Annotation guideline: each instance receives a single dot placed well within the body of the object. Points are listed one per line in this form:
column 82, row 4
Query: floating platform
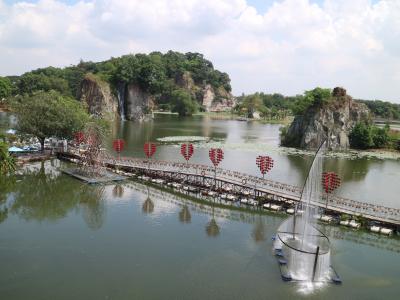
column 106, row 177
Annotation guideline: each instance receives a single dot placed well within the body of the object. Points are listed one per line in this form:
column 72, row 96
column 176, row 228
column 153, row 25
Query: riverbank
column 226, row 115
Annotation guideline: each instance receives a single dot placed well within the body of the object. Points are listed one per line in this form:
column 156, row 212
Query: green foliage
column 5, row 88
column 251, row 104
column 360, row 136
column 49, row 114
column 156, row 73
column 316, row 97
column 7, row 162
column 364, row 136
column 380, row 136
column 182, row 103
column 382, row 109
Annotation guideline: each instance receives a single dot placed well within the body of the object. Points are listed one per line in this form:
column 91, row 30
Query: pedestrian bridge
column 241, row 183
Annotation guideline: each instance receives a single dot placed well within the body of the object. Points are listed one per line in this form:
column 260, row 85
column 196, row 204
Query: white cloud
column 295, row 45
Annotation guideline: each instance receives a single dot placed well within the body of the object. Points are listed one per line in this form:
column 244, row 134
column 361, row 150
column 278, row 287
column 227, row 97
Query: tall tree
column 5, row 87
column 182, row 103
column 49, row 114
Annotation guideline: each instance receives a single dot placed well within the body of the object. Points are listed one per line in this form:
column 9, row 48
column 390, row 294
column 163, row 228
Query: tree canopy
column 182, row 103
column 5, row 88
column 152, row 72
column 49, row 114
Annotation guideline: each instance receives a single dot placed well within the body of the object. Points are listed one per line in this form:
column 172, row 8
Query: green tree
column 49, row 114
column 5, row 87
column 251, row 104
column 317, row 96
column 360, row 136
column 380, row 136
column 182, row 103
column 7, row 162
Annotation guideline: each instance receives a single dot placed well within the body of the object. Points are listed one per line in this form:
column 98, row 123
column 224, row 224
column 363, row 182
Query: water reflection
column 258, row 233
column 41, row 193
column 350, row 170
column 184, row 214
column 148, row 204
column 118, row 191
column 93, row 204
column 212, row 228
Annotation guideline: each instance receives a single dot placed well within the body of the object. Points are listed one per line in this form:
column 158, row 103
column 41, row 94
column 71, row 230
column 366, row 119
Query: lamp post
column 187, row 150
column 330, row 182
column 216, row 156
column 265, row 164
column 149, row 150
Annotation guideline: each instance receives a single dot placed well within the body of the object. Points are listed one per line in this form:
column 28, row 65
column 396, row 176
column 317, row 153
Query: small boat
column 253, row 202
column 244, row 201
column 326, row 218
column 290, row 211
column 387, row 231
column 376, row 229
column 344, row 222
column 266, row 205
column 230, row 198
column 354, row 224
column 275, row 207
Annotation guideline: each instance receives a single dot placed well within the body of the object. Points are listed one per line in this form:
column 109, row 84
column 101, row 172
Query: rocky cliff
column 137, row 103
column 208, row 97
column 97, row 94
column 331, row 121
column 131, row 102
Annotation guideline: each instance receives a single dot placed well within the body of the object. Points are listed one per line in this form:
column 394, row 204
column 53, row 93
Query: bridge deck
column 245, row 182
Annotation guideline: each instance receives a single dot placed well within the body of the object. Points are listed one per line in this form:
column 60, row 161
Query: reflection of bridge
column 241, row 183
column 372, row 239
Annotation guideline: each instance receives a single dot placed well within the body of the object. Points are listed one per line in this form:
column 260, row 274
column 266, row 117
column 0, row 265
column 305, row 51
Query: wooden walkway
column 203, row 175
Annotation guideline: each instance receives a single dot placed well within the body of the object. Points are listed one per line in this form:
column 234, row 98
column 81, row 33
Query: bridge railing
column 250, row 181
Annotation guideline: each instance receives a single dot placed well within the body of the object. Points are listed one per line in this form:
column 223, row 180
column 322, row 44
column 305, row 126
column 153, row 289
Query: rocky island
column 331, row 118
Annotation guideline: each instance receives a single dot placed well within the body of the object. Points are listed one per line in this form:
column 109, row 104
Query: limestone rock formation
column 131, row 102
column 330, row 121
column 219, row 100
column 137, row 103
column 209, row 98
column 98, row 96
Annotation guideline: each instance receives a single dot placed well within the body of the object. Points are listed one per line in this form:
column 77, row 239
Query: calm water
column 61, row 239
column 368, row 180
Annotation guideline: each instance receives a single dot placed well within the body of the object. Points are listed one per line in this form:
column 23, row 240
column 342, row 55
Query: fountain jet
column 304, row 250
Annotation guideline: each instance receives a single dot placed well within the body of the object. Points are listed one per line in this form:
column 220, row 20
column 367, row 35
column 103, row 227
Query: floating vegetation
column 178, row 139
column 267, row 147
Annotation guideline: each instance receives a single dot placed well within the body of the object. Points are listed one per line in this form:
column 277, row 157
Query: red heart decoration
column 79, row 137
column 216, row 155
column 187, row 151
column 149, row 149
column 118, row 145
column 330, row 181
column 264, row 163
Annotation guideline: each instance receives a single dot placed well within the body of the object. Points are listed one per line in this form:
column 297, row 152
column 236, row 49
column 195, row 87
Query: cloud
column 295, row 45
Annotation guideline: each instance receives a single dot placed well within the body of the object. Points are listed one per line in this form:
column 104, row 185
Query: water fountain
column 303, row 250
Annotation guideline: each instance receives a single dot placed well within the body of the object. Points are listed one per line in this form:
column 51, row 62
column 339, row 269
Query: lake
column 62, row 239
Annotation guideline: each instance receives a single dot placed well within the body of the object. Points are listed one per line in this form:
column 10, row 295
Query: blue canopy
column 15, row 149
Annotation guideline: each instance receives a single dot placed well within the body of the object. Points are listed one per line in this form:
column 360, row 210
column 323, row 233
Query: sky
column 283, row 46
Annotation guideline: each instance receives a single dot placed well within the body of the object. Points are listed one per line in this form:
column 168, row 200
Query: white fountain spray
column 305, row 248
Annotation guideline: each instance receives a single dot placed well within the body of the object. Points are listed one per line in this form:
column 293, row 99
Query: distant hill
column 153, row 78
